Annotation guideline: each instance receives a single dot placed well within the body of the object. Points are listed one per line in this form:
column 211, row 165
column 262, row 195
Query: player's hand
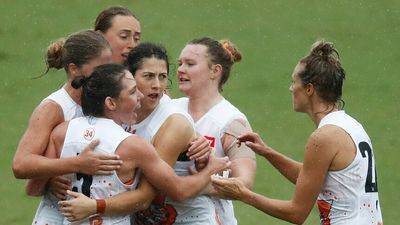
column 94, row 163
column 78, row 208
column 217, row 164
column 201, row 164
column 199, row 149
column 59, row 186
column 229, row 188
column 254, row 141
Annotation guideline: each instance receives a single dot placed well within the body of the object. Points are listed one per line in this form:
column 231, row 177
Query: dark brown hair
column 78, row 48
column 105, row 81
column 144, row 51
column 323, row 69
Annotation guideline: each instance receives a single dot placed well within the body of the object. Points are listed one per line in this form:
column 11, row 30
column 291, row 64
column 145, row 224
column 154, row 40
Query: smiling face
column 123, row 35
column 152, row 80
column 194, row 73
column 299, row 95
column 128, row 101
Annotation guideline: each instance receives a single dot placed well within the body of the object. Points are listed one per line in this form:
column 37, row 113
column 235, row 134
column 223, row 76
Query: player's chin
column 183, row 88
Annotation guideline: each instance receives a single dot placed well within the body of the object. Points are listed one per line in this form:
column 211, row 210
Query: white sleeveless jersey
column 211, row 126
column 165, row 98
column 149, row 127
column 81, row 131
column 47, row 212
column 70, row 108
column 194, row 211
column 350, row 196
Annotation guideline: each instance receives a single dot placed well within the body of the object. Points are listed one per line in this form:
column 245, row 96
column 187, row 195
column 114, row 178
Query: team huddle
column 112, row 147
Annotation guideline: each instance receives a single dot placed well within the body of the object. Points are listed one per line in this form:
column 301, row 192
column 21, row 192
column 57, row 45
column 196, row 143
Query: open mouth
column 125, row 55
column 154, row 96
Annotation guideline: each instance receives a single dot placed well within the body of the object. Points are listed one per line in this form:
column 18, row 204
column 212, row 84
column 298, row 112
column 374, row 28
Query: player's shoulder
column 48, row 109
column 327, row 137
column 178, row 120
column 49, row 103
column 47, row 115
column 328, row 131
column 134, row 144
column 178, row 125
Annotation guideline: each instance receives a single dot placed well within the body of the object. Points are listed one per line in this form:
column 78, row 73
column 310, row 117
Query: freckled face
column 123, row 35
column 299, row 96
column 194, row 71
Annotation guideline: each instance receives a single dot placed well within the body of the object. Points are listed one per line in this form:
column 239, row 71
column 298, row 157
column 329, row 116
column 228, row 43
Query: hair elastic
column 228, row 49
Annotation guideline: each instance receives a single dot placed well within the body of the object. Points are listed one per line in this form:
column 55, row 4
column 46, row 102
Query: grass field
column 272, row 36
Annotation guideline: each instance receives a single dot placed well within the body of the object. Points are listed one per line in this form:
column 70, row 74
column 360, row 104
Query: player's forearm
column 127, row 203
column 289, row 168
column 37, row 166
column 131, row 201
column 188, row 186
column 245, row 170
column 208, row 190
column 280, row 209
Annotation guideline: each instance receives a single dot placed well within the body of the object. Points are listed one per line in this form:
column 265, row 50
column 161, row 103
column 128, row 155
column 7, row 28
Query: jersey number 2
column 371, row 184
column 87, row 182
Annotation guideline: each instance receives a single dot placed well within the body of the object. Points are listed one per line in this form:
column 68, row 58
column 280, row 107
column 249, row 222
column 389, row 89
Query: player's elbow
column 249, row 184
column 178, row 197
column 145, row 204
column 142, row 206
column 19, row 170
column 298, row 218
column 34, row 191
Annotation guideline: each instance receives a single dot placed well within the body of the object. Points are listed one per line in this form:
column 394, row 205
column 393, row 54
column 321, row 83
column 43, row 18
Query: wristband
column 101, row 206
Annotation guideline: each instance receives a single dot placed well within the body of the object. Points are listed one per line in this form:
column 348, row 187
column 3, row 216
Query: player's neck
column 75, row 94
column 202, row 104
column 318, row 113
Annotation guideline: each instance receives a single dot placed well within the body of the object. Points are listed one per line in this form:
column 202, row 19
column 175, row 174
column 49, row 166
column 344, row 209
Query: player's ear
column 310, row 89
column 73, row 70
column 216, row 71
column 110, row 103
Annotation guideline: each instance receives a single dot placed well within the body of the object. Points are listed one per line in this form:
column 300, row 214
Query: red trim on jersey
column 211, row 141
column 324, row 211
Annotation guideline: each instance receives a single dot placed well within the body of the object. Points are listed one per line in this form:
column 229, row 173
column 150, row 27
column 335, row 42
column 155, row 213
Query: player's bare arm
column 289, row 168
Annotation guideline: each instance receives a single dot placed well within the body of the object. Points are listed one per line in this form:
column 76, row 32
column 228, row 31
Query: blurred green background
column 272, row 36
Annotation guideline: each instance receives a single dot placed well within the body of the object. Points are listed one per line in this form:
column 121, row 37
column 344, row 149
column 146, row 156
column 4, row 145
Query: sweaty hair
column 78, row 48
column 104, row 19
column 322, row 68
column 105, row 81
column 144, row 51
column 221, row 52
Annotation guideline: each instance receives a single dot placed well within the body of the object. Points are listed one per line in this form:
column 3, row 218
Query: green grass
column 272, row 36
